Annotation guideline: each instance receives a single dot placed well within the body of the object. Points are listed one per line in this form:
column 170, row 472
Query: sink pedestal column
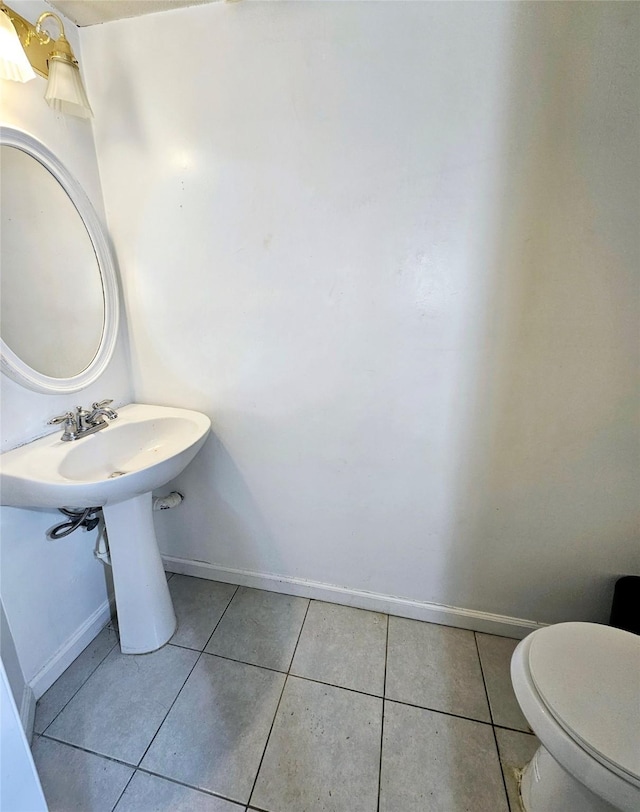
column 146, row 619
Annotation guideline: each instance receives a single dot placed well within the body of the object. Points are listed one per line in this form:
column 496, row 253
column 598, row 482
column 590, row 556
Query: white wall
column 50, row 589
column 11, row 663
column 390, row 249
column 20, row 788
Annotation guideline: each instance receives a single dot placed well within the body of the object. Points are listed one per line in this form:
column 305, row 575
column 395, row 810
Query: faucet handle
column 101, row 403
column 61, row 418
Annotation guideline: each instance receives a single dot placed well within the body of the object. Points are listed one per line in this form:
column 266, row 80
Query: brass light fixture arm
column 61, row 48
column 42, row 34
column 36, row 40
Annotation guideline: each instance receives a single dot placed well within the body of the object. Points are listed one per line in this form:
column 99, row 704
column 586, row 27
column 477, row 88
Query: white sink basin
column 116, row 469
column 144, row 448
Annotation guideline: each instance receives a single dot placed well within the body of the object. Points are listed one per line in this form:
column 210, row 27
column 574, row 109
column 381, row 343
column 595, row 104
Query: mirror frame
column 10, row 363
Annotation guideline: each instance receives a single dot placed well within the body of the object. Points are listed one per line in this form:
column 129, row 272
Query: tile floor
column 269, row 702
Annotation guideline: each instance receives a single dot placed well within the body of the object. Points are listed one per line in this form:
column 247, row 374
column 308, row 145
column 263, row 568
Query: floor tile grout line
column 384, row 693
column 210, row 793
column 85, row 680
column 493, row 729
column 504, row 780
column 136, row 769
column 86, row 750
column 273, row 721
column 240, row 662
column 484, row 682
column 198, row 658
column 175, row 699
column 442, row 712
column 514, row 730
column 266, row 744
column 235, row 592
column 295, row 648
column 131, row 777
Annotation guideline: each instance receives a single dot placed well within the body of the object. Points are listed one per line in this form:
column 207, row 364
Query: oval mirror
column 58, row 289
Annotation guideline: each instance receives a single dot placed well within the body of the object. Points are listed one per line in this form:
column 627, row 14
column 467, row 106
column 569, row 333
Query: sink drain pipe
column 159, row 503
column 167, row 502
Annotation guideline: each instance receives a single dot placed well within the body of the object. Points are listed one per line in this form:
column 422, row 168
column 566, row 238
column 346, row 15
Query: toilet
column 578, row 685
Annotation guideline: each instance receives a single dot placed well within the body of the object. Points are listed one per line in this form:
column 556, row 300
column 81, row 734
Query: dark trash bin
column 625, row 609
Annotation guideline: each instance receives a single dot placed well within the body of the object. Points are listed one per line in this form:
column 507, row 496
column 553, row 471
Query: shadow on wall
column 246, row 530
column 424, row 385
column 551, row 461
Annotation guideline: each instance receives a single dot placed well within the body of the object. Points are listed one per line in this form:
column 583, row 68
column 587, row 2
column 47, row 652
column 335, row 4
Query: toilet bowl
column 578, row 685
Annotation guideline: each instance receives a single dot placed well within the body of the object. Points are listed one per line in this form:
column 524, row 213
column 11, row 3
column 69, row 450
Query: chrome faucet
column 82, row 422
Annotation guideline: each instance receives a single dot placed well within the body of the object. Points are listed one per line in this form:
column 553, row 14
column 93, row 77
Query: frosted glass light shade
column 14, row 64
column 65, row 91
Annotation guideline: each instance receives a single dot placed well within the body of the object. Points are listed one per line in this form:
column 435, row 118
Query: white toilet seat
column 563, row 725
column 588, row 676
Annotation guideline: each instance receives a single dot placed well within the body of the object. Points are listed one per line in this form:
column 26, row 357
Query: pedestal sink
column 116, row 469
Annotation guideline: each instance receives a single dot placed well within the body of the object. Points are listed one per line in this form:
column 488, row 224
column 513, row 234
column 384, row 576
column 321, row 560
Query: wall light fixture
column 13, row 60
column 48, row 57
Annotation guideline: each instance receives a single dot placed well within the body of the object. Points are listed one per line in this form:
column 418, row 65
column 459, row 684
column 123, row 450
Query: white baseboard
column 402, row 607
column 68, row 652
